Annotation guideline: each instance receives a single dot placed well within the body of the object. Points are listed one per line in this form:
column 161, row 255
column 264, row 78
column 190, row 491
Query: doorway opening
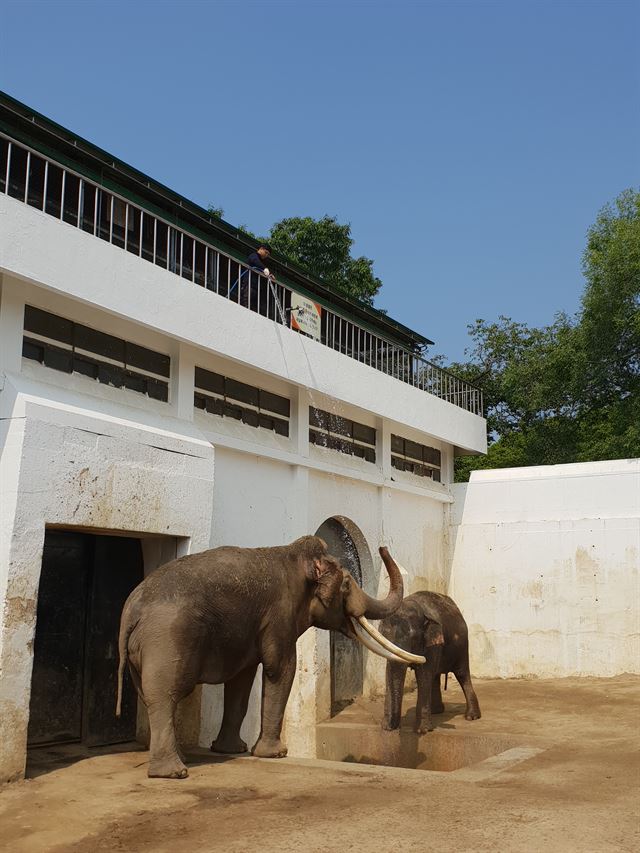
column 84, row 582
column 347, row 663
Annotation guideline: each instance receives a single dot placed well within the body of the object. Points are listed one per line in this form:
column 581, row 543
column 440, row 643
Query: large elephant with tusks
column 212, row 617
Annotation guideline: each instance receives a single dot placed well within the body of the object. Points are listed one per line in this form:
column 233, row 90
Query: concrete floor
column 574, row 786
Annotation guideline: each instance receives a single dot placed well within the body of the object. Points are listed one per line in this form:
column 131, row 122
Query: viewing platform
column 114, row 203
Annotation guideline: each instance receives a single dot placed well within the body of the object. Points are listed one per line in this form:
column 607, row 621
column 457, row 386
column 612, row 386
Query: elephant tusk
column 365, row 639
column 407, row 657
column 382, row 647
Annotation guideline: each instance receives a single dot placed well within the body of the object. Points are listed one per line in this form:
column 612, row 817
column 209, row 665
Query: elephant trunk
column 361, row 604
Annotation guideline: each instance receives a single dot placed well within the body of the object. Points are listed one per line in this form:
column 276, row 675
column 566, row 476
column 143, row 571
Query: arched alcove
column 346, row 542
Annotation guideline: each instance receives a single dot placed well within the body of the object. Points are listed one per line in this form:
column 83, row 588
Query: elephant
column 212, row 617
column 432, row 625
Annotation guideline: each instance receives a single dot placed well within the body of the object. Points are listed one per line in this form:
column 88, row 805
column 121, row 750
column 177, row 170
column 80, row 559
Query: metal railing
column 67, row 195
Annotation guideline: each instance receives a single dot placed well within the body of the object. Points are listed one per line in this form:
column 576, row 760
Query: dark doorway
column 84, row 583
column 347, row 670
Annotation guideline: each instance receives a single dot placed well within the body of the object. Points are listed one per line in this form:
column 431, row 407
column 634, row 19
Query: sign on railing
column 306, row 316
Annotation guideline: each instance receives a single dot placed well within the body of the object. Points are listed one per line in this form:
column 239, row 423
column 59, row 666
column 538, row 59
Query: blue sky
column 470, row 145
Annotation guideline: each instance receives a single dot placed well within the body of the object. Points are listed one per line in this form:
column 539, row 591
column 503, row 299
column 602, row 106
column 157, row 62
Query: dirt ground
column 580, row 792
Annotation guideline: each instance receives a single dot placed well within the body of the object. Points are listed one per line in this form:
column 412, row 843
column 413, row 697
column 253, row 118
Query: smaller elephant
column 432, row 625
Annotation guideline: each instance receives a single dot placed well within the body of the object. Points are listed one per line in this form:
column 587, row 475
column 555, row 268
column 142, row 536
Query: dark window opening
column 18, row 172
column 418, row 459
column 53, row 202
column 133, row 231
column 4, row 158
column 342, row 434
column 104, row 215
column 162, row 236
column 148, row 228
column 253, row 406
column 74, row 348
column 119, row 226
column 212, row 269
column 175, row 249
column 71, row 198
column 88, row 207
column 200, row 254
column 224, row 275
column 187, row 257
column 35, row 195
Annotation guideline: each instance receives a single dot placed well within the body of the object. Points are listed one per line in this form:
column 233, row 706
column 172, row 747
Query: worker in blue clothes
column 252, row 284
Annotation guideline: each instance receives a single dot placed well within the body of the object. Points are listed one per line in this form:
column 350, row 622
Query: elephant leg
column 164, row 682
column 463, row 675
column 396, row 674
column 236, row 699
column 137, row 683
column 437, row 705
column 164, row 760
column 277, row 679
column 426, row 675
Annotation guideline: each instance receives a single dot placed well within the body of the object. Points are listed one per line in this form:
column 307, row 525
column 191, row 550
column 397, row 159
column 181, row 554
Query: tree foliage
column 323, row 247
column 570, row 391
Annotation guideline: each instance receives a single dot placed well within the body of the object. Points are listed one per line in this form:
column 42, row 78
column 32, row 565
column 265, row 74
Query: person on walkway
column 251, row 284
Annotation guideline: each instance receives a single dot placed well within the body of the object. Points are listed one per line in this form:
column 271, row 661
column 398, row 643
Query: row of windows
column 73, row 348
column 418, row 459
column 342, row 434
column 226, row 397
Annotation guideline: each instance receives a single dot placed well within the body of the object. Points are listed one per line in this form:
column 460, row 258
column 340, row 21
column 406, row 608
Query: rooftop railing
column 68, row 196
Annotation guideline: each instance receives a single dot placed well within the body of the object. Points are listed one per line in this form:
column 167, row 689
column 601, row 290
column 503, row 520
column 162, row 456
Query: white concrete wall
column 546, row 569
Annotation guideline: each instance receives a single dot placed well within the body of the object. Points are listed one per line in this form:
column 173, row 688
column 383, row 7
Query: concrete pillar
column 182, row 382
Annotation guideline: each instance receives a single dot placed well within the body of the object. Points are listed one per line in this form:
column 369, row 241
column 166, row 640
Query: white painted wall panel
column 546, row 569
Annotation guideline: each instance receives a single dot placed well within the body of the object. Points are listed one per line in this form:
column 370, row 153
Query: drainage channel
column 353, row 737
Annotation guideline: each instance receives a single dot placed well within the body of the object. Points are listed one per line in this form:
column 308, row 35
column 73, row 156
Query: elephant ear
column 329, row 579
column 433, row 634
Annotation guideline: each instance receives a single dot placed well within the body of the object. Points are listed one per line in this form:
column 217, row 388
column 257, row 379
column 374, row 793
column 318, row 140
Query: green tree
column 570, row 391
column 323, row 248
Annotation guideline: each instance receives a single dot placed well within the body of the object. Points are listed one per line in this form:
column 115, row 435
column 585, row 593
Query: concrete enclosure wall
column 545, row 568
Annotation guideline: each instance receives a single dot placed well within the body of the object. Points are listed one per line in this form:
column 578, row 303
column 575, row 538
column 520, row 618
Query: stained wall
column 546, row 569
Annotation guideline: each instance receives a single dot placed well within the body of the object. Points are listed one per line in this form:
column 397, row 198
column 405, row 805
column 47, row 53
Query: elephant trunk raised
column 361, row 607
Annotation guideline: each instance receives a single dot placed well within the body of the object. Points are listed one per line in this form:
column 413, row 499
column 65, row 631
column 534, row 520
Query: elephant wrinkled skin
column 212, row 617
column 430, row 624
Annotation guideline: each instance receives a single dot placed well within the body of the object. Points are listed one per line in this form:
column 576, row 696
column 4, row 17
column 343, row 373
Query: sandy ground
column 581, row 792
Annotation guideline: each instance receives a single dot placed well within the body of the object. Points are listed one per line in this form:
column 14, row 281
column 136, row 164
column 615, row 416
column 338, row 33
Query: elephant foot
column 229, row 745
column 473, row 714
column 390, row 725
column 424, row 728
column 269, row 749
column 167, row 768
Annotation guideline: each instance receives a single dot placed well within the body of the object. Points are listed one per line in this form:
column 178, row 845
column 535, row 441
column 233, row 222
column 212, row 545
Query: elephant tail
column 126, row 627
